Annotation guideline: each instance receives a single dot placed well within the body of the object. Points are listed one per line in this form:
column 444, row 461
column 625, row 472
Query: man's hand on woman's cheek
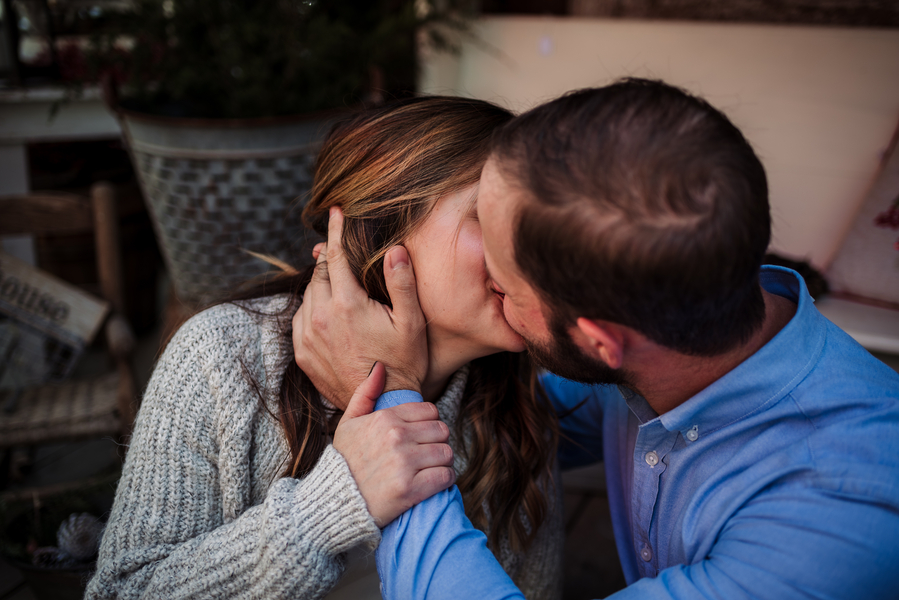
column 339, row 332
column 398, row 456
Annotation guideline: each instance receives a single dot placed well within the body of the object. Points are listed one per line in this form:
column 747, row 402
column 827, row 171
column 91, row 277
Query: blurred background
column 146, row 144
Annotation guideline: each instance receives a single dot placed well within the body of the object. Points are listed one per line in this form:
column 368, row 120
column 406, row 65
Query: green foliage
column 254, row 58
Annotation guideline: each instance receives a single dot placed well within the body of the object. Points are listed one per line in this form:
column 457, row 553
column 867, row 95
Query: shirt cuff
column 396, row 398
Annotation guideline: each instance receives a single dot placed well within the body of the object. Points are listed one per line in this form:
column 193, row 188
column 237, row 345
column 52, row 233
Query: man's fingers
column 338, row 269
column 363, row 401
column 318, row 292
column 400, row 280
column 320, row 252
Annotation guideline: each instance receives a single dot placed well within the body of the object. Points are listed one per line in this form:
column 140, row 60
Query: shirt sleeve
column 432, row 551
column 798, row 542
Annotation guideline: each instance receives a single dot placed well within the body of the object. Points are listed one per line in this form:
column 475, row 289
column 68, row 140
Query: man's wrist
column 397, row 381
column 397, row 397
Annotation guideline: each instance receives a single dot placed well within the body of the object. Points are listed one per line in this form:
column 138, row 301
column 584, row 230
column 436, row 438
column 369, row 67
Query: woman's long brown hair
column 385, row 168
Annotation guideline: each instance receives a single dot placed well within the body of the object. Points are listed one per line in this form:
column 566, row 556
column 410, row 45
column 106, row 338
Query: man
column 751, row 447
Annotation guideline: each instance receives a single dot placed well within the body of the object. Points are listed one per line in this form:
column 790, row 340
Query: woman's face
column 464, row 313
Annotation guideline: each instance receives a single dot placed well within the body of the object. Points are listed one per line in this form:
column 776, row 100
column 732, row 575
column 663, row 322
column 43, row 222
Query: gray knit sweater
column 201, row 510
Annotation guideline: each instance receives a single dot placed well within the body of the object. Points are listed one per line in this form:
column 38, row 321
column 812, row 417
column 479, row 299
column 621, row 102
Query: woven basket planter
column 217, row 188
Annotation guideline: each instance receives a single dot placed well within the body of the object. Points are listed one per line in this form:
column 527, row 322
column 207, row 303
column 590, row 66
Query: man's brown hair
column 644, row 206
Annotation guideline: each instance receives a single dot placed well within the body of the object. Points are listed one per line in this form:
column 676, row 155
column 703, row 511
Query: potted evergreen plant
column 223, row 104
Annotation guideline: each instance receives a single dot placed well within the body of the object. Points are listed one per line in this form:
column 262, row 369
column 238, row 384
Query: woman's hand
column 339, row 332
column 398, row 456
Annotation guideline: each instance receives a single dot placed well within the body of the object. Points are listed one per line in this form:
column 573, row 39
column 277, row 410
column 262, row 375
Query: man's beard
column 564, row 358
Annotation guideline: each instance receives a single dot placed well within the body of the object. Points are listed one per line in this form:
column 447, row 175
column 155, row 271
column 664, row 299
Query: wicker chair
column 76, row 409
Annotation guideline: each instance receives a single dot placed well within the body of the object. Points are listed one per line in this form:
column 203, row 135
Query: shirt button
column 646, row 553
column 651, row 458
column 693, row 434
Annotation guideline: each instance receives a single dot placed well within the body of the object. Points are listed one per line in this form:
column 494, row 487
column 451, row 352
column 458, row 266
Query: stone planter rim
column 230, row 123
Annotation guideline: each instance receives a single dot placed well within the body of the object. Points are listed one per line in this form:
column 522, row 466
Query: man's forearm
column 432, row 550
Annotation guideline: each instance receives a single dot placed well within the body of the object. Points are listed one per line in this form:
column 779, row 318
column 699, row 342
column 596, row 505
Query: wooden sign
column 45, row 323
column 47, row 303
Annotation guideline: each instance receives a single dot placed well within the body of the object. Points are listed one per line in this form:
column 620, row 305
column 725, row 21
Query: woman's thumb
column 365, row 396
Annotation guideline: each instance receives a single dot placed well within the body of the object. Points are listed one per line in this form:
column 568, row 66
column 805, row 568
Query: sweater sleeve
column 173, row 531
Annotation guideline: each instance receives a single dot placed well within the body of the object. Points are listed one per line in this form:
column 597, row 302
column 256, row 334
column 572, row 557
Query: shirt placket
column 652, row 446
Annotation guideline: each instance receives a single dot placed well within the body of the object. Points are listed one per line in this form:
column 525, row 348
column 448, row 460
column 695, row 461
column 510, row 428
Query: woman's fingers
column 386, row 452
column 363, row 401
column 428, row 433
column 428, row 482
column 415, row 411
column 426, row 456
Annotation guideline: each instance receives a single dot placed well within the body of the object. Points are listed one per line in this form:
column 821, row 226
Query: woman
column 231, row 487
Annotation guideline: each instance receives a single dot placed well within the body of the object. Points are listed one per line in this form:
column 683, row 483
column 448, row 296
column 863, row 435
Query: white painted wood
column 13, row 167
column 877, row 329
column 25, row 116
column 20, row 246
column 13, row 181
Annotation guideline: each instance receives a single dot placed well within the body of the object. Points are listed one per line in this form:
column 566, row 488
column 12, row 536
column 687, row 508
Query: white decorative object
column 867, row 263
column 79, row 536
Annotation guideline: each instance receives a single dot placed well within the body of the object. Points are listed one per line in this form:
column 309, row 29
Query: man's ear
column 606, row 340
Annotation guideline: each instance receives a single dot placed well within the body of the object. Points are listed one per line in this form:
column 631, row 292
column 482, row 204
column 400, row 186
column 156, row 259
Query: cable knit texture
column 201, row 510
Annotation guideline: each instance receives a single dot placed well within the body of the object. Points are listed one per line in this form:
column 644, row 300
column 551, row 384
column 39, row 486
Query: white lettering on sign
column 47, row 303
column 41, row 304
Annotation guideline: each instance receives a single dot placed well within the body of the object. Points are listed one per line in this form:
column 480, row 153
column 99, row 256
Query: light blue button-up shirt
column 780, row 480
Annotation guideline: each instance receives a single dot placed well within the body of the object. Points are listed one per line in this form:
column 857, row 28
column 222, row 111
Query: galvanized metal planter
column 216, row 188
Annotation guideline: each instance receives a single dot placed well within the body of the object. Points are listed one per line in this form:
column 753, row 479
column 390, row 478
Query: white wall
column 819, row 105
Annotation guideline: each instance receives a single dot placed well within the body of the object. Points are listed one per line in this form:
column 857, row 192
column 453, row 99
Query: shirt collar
column 767, row 376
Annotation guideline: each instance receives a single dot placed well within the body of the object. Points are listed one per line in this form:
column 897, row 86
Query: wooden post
column 109, row 262
column 109, row 258
column 121, row 343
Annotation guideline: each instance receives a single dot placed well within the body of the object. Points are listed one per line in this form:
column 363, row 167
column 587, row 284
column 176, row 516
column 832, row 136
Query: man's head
column 635, row 204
